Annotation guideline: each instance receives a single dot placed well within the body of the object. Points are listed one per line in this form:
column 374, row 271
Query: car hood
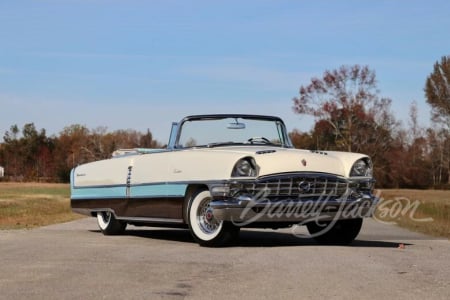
column 274, row 160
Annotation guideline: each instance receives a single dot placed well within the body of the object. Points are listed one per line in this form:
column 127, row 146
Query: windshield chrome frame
column 285, row 143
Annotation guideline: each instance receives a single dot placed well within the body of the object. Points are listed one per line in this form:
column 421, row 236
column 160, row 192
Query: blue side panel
column 148, row 190
column 176, row 189
column 158, row 190
column 98, row 192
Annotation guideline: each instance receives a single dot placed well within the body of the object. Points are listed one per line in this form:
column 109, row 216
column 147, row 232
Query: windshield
column 211, row 132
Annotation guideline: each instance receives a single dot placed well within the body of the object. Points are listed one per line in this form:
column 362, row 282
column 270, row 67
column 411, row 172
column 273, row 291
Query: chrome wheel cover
column 205, row 218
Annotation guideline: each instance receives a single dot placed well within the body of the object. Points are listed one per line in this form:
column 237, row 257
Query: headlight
column 245, row 167
column 362, row 167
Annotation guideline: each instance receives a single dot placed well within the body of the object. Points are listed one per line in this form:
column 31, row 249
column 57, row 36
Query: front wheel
column 204, row 227
column 109, row 225
column 342, row 232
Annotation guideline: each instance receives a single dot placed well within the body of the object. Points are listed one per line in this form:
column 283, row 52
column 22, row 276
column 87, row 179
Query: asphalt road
column 75, row 261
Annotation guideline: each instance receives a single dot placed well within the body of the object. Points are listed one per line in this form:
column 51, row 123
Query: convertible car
column 220, row 173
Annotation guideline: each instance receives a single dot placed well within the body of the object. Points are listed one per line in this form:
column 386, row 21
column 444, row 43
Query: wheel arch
column 95, row 212
column 190, row 191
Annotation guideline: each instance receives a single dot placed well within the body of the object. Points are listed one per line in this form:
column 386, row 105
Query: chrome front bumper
column 246, row 210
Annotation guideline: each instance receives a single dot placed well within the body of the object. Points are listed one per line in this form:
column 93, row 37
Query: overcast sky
column 143, row 64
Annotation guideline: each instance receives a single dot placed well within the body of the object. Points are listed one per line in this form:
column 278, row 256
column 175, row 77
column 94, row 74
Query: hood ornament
column 304, row 162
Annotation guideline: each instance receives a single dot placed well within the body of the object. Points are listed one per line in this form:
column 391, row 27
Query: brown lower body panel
column 164, row 207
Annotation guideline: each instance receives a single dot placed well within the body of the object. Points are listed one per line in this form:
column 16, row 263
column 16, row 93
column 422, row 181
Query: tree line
column 350, row 115
column 30, row 155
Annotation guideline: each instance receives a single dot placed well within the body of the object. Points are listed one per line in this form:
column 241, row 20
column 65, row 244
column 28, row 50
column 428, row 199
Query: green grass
column 29, row 205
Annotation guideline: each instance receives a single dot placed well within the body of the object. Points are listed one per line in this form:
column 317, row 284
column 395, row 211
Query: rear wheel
column 109, row 225
column 205, row 228
column 342, row 232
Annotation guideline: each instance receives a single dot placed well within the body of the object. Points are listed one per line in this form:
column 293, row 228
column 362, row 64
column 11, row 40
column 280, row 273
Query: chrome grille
column 298, row 186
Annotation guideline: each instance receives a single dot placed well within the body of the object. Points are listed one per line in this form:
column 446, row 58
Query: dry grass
column 28, row 205
column 410, row 209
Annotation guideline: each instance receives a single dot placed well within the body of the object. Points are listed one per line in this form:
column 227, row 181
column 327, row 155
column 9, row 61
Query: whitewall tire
column 204, row 227
column 109, row 225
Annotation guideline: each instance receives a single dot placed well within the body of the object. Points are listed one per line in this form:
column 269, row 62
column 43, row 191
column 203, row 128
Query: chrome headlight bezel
column 362, row 168
column 245, row 167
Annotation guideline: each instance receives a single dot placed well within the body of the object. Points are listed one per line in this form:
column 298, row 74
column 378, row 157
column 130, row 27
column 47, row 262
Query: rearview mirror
column 236, row 126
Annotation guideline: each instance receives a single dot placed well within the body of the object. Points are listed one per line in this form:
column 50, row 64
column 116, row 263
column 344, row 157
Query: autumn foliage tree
column 437, row 91
column 347, row 100
column 301, row 139
column 26, row 153
column 350, row 115
column 29, row 155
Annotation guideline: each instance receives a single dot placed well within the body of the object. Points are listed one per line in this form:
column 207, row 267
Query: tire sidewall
column 112, row 226
column 192, row 214
column 101, row 220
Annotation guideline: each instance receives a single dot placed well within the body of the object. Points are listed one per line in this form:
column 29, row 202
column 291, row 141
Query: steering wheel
column 259, row 139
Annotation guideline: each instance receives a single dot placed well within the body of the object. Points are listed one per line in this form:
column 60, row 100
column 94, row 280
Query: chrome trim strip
column 130, row 198
column 150, row 220
column 206, row 182
column 75, row 198
column 98, row 186
column 306, row 174
column 88, row 212
column 227, row 180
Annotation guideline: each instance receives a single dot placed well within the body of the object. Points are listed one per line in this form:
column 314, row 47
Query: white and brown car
column 223, row 172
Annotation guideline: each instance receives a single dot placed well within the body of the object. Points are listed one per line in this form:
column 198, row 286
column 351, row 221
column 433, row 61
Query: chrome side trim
column 98, row 186
column 89, row 212
column 150, row 220
column 204, row 182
